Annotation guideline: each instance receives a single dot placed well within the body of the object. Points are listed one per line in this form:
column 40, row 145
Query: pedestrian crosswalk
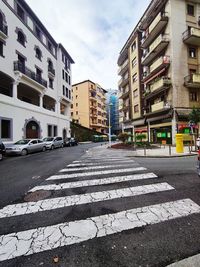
column 106, row 179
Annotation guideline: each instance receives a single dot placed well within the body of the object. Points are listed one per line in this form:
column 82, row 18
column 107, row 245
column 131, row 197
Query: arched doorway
column 32, row 130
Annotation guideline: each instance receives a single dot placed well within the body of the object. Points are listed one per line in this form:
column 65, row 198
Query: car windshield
column 22, row 142
column 48, row 139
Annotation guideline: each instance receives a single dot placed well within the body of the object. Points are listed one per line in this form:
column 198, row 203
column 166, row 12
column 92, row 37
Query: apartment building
column 170, row 73
column 89, row 105
column 35, row 77
column 112, row 102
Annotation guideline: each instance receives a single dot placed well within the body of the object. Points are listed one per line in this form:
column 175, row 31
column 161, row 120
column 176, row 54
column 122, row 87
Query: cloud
column 92, row 31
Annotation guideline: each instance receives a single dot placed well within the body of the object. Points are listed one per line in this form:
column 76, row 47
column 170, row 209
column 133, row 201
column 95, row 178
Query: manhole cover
column 38, row 195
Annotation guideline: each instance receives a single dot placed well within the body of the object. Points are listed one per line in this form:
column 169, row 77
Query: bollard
column 145, row 153
column 170, row 150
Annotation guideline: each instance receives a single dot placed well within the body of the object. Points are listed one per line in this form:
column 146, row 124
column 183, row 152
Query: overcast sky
column 92, row 31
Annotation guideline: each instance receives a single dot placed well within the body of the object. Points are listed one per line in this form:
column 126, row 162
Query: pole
column 109, row 128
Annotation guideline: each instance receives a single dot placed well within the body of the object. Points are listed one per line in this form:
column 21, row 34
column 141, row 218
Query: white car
column 53, row 142
column 25, row 146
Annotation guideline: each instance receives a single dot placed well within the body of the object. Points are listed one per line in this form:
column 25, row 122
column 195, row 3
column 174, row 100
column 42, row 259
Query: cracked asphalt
column 144, row 217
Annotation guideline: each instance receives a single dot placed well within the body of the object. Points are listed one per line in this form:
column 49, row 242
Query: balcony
column 192, row 36
column 155, row 27
column 18, row 66
column 122, row 69
column 3, row 31
column 192, row 80
column 155, row 48
column 160, row 83
column 124, row 81
column 158, row 106
column 51, row 71
column 124, row 94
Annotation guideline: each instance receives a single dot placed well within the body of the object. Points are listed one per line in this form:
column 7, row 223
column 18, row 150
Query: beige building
column 89, row 105
column 169, row 35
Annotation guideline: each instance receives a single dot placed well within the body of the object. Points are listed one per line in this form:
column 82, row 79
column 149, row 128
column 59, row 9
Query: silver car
column 53, row 142
column 25, row 146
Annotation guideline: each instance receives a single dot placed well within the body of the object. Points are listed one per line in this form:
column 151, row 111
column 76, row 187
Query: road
column 104, row 209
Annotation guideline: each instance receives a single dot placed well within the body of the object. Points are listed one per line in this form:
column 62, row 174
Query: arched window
column 38, row 53
column 21, row 38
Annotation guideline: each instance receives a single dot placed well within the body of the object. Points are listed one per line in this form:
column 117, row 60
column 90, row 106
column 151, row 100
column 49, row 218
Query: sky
column 92, row 31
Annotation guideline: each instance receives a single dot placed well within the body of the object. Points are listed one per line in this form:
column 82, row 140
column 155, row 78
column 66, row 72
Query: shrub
column 123, row 137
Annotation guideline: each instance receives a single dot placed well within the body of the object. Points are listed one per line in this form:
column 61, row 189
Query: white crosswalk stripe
column 51, row 237
column 75, row 175
column 61, row 202
column 85, row 164
column 93, row 182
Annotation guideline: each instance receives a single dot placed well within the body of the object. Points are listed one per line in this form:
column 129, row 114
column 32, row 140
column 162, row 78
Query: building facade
column 35, row 77
column 169, row 55
column 89, row 105
column 113, row 105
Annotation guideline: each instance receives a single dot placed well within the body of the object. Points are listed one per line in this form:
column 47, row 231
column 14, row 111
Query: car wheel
column 1, row 156
column 24, row 152
column 52, row 147
column 44, row 149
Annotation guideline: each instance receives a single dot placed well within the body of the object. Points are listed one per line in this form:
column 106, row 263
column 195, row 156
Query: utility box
column 179, row 143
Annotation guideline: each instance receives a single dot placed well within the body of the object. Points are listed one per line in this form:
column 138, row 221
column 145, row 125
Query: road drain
column 38, row 195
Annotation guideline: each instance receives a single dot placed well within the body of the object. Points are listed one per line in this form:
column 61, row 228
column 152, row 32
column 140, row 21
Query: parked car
column 53, row 142
column 25, row 146
column 2, row 150
column 70, row 141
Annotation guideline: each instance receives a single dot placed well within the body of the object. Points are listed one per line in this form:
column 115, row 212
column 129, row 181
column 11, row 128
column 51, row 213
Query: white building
column 35, row 77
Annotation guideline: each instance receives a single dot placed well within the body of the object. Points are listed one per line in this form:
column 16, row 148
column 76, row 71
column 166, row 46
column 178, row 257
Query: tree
column 123, row 137
column 194, row 115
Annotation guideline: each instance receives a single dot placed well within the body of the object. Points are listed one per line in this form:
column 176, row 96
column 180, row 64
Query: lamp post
column 109, row 124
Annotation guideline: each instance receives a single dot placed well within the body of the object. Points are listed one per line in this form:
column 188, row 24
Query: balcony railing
column 155, row 27
column 192, row 80
column 165, row 60
column 18, row 66
column 162, row 82
column 192, row 36
column 155, row 48
column 51, row 70
column 157, row 106
column 4, row 29
column 123, row 68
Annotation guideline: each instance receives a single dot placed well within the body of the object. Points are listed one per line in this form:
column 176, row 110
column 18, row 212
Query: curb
column 162, row 156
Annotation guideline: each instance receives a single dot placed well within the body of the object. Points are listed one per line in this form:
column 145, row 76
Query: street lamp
column 109, row 124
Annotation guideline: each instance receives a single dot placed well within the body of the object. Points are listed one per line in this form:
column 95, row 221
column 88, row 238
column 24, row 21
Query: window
column 136, row 108
column 38, row 53
column 5, row 126
column 134, row 77
column 193, row 96
column 190, row 10
column 21, row 38
column 134, row 62
column 135, row 93
column 76, row 112
column 192, row 52
column 52, row 130
column 76, row 104
column 63, row 90
column 55, row 130
column 50, row 83
column 66, row 77
column 63, row 74
column 67, row 92
column 1, row 49
column 76, row 97
column 71, row 114
column 38, row 32
column 71, row 105
column 69, row 80
column 133, row 46
column 49, row 45
column 38, row 74
column 20, row 13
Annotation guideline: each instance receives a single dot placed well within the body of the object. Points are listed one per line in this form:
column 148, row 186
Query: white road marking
column 47, row 238
column 97, row 163
column 96, row 167
column 74, row 200
column 75, row 175
column 116, row 179
column 102, row 159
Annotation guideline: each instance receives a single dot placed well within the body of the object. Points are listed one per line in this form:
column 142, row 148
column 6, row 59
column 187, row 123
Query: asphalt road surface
column 99, row 208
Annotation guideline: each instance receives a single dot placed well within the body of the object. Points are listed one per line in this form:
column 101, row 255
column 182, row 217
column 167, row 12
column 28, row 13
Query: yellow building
column 159, row 67
column 89, row 105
